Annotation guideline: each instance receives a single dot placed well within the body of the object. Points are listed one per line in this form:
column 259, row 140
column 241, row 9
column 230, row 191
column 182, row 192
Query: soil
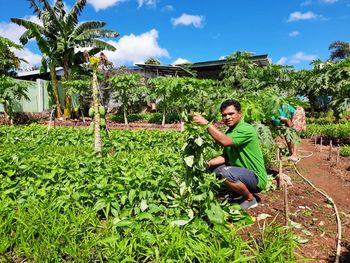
column 317, row 231
column 311, row 215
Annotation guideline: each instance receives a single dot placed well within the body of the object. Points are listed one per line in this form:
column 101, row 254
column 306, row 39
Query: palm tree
column 65, row 35
column 340, row 50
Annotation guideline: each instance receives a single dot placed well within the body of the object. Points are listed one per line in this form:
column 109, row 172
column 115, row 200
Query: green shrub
column 335, row 131
column 155, row 117
column 345, row 150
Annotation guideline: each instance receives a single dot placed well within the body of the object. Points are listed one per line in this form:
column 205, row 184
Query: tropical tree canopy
column 339, row 50
column 8, row 60
column 152, row 61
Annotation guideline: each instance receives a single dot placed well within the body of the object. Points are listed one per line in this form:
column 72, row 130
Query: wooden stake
column 278, row 153
column 330, row 151
column 321, row 145
column 315, row 140
column 337, row 158
column 279, row 177
column 286, row 209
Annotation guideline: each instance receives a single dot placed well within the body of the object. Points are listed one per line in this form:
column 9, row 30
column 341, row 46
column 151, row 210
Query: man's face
column 231, row 116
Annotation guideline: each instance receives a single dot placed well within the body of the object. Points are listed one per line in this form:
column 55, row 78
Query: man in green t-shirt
column 242, row 162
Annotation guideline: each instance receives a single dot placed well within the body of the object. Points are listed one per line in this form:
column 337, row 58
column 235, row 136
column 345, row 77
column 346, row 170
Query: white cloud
column 302, row 16
column 307, row 2
column 31, row 58
column 329, row 1
column 180, row 61
column 222, row 57
column 13, row 31
column 186, row 20
column 168, row 8
column 103, row 4
column 147, row 2
column 296, row 58
column 294, row 33
column 282, row 61
column 133, row 49
column 301, row 56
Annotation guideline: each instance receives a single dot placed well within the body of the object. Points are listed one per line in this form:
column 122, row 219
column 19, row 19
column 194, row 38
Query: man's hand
column 199, row 119
column 287, row 121
column 284, row 119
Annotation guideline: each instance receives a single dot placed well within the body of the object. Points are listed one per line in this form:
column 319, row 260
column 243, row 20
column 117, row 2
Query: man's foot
column 249, row 204
column 233, row 197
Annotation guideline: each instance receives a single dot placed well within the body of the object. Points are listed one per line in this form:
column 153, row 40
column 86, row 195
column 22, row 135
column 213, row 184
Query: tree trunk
column 164, row 112
column 125, row 115
column 67, row 99
column 55, row 91
column 97, row 118
column 163, row 118
column 8, row 112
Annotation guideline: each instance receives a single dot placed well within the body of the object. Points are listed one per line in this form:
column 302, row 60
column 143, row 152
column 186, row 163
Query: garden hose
column 337, row 255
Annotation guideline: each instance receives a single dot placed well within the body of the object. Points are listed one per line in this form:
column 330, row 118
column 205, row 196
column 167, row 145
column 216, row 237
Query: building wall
column 39, row 99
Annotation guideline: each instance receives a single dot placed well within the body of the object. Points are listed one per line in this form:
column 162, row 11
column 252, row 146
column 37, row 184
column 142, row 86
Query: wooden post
column 279, row 177
column 337, row 158
column 321, row 145
column 286, row 209
column 315, row 140
column 329, row 151
column 278, row 153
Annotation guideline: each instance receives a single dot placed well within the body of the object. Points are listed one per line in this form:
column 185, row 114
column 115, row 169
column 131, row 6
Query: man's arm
column 220, row 137
column 219, row 160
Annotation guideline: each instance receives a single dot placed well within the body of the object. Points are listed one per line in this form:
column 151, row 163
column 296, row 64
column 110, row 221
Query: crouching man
column 242, row 162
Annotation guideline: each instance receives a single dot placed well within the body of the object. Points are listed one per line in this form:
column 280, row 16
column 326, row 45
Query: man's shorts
column 238, row 174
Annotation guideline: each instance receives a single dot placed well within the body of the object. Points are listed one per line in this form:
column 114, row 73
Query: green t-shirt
column 246, row 151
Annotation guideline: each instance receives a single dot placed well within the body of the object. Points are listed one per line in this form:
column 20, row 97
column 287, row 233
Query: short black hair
column 230, row 102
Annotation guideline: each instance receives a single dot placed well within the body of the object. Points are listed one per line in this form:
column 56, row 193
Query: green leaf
column 143, row 205
column 199, row 141
column 132, row 195
column 189, row 160
column 179, row 222
column 215, row 214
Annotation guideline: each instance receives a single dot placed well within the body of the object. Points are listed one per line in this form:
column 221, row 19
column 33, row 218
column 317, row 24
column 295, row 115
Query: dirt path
column 334, row 180
column 333, row 177
column 312, row 218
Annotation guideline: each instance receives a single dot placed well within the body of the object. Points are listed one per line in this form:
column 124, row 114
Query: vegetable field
column 58, row 202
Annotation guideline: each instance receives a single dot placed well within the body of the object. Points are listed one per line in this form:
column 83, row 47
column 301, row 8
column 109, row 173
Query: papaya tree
column 127, row 89
column 10, row 90
column 97, row 110
column 163, row 90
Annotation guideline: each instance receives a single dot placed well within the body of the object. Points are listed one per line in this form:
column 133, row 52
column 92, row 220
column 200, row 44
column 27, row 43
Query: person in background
column 294, row 118
column 242, row 163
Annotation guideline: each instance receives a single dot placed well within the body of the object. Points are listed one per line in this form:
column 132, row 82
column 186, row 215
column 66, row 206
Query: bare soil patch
column 313, row 218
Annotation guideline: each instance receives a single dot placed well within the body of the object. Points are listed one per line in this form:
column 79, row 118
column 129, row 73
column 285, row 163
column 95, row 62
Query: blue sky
column 290, row 32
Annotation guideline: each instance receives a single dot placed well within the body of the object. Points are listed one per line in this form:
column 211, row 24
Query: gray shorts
column 238, row 174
